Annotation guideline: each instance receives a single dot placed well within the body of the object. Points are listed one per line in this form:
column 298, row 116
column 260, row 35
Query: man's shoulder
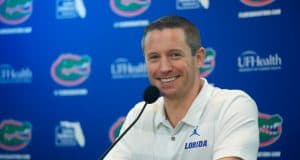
column 223, row 99
column 228, row 94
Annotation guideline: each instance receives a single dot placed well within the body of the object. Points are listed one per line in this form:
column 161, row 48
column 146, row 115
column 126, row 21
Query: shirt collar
column 160, row 117
column 195, row 111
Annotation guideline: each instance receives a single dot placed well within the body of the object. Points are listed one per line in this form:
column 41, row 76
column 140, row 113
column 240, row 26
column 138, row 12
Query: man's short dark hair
column 191, row 32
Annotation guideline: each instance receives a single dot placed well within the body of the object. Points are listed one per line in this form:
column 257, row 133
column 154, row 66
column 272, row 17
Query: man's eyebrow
column 175, row 50
column 152, row 52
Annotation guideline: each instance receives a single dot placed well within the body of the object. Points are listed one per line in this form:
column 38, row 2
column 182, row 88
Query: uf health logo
column 14, row 12
column 257, row 3
column 129, row 8
column 8, row 74
column 195, row 141
column 14, row 135
column 250, row 61
column 122, row 68
column 71, row 70
column 270, row 128
column 209, row 62
column 69, row 134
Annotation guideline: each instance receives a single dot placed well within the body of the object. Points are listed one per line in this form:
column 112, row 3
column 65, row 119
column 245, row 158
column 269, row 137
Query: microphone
column 151, row 94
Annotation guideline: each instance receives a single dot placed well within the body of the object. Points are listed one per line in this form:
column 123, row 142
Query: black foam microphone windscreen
column 151, row 94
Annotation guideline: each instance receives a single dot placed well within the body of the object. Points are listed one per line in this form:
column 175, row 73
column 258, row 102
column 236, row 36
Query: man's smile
column 168, row 79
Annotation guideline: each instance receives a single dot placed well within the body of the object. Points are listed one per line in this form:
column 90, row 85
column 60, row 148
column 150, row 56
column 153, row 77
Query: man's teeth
column 167, row 79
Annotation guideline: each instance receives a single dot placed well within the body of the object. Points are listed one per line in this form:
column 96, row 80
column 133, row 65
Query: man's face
column 171, row 66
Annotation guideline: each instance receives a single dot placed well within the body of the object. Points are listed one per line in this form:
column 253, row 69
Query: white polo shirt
column 219, row 123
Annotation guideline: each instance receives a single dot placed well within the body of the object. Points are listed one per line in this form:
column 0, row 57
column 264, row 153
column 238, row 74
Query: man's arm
column 238, row 133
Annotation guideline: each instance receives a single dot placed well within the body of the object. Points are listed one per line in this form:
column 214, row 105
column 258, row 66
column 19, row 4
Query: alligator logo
column 129, row 8
column 71, row 70
column 14, row 135
column 270, row 128
column 257, row 3
column 115, row 130
column 209, row 62
column 14, row 12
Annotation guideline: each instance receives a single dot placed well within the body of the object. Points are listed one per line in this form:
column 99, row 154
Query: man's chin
column 168, row 93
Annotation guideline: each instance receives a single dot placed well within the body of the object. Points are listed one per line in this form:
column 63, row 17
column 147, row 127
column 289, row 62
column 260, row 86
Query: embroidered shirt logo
column 194, row 141
column 195, row 132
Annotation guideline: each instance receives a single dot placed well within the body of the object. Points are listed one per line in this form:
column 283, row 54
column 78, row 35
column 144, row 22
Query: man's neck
column 176, row 108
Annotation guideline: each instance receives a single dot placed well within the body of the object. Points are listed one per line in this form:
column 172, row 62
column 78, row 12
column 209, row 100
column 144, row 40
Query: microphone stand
column 122, row 135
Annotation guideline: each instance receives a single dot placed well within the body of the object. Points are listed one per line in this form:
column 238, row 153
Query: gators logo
column 209, row 62
column 129, row 8
column 115, row 130
column 70, row 69
column 270, row 128
column 15, row 11
column 257, row 3
column 14, row 135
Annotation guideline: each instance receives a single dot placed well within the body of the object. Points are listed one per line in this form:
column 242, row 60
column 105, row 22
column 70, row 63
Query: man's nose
column 165, row 65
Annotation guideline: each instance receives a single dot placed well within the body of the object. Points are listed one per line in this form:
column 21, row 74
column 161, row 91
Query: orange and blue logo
column 115, row 130
column 270, row 128
column 129, row 8
column 14, row 12
column 209, row 62
column 14, row 135
column 71, row 70
column 257, row 3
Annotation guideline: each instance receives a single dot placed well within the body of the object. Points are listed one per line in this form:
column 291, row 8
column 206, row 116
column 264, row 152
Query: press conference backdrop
column 70, row 70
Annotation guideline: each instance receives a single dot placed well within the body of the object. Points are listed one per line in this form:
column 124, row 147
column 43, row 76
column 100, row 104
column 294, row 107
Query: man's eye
column 175, row 55
column 153, row 57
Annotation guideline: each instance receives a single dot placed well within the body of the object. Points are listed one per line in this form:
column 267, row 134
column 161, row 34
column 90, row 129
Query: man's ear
column 200, row 57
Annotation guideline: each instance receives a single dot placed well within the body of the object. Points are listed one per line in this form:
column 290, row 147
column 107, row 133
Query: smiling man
column 192, row 119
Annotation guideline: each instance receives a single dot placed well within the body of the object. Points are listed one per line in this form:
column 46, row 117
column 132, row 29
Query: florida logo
column 209, row 62
column 71, row 70
column 115, row 130
column 15, row 11
column 270, row 128
column 204, row 3
column 257, row 3
column 129, row 8
column 14, row 135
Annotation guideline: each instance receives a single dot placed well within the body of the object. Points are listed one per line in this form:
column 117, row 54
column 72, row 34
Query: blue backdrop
column 70, row 70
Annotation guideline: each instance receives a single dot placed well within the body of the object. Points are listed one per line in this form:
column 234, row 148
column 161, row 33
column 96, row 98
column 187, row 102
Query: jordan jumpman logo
column 195, row 132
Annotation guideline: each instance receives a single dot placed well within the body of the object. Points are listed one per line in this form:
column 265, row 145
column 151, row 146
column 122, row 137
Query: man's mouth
column 168, row 79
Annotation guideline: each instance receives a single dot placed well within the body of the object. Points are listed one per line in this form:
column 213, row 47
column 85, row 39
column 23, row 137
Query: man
column 193, row 119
